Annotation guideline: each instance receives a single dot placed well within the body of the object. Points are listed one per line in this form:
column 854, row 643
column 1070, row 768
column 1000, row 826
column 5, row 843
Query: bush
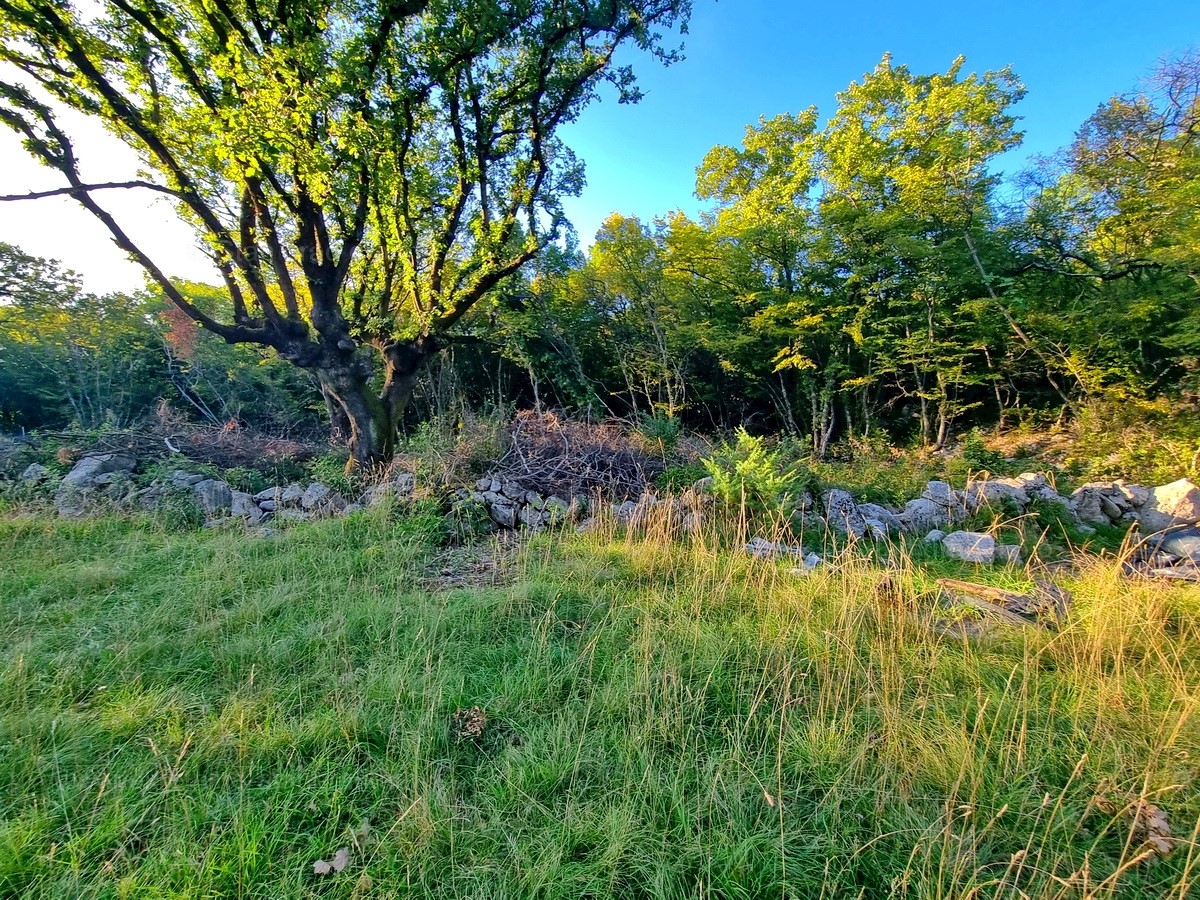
column 681, row 477
column 330, row 469
column 747, row 475
column 978, row 457
column 660, row 433
column 1150, row 443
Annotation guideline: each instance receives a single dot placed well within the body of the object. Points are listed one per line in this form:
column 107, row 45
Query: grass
column 204, row 714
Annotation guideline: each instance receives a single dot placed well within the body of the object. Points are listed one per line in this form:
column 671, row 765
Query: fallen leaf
column 1149, row 821
column 340, row 860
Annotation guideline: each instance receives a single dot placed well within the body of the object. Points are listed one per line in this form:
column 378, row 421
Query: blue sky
column 750, row 58
column 745, row 59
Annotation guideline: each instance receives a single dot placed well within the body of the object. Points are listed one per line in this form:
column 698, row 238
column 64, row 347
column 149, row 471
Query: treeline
column 866, row 272
column 73, row 359
column 876, row 272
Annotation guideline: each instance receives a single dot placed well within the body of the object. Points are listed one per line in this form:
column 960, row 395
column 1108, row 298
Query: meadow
column 351, row 708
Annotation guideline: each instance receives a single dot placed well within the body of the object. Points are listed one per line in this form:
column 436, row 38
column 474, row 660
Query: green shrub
column 747, row 475
column 659, row 431
column 330, row 470
column 243, row 478
column 977, row 457
column 681, row 477
column 1150, row 443
column 467, row 521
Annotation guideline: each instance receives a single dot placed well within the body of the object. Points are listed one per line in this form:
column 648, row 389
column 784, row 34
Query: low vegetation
column 198, row 714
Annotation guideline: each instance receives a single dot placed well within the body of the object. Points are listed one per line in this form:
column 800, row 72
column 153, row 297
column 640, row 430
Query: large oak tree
column 362, row 172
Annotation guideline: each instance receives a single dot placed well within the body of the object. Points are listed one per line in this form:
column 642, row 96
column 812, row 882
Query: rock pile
column 107, row 479
column 106, row 476
column 510, row 505
column 1096, row 503
column 1172, row 553
column 940, row 507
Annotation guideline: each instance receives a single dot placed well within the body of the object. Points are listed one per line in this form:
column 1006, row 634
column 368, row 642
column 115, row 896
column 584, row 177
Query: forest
column 861, row 269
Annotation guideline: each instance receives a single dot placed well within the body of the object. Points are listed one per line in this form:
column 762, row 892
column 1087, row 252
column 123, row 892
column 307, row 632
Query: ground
column 348, row 709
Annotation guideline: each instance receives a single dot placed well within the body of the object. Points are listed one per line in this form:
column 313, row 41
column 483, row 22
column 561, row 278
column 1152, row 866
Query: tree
column 69, row 356
column 362, row 172
column 907, row 190
column 1111, row 236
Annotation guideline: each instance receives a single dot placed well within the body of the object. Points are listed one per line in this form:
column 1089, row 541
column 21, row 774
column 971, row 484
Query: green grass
column 205, row 714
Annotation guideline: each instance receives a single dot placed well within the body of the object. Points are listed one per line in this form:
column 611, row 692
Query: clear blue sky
column 745, row 59
column 750, row 58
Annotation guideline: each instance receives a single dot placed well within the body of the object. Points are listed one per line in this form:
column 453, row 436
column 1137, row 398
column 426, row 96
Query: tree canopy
column 361, row 173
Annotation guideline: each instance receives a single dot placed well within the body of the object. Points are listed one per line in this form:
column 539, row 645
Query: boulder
column 935, row 536
column 995, row 492
column 272, row 494
column 876, row 529
column 1112, row 508
column 213, row 496
column 881, row 514
column 807, row 565
column 643, row 511
column 243, row 506
column 1087, row 505
column 532, row 518
column 315, row 495
column 1135, row 494
column 1038, row 487
column 970, row 546
column 181, row 479
column 1008, row 554
column 762, row 548
column 623, row 511
column 1183, row 543
column 504, row 514
column 405, row 483
column 71, row 497
column 843, row 515
column 704, row 485
column 1176, row 503
column 943, row 495
column 922, row 515
column 291, row 495
column 35, row 473
column 87, row 470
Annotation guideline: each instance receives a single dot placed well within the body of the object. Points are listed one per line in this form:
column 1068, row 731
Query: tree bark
column 403, row 364
column 348, row 388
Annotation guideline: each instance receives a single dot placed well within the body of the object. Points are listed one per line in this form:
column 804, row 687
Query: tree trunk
column 349, row 391
column 339, row 422
column 403, row 364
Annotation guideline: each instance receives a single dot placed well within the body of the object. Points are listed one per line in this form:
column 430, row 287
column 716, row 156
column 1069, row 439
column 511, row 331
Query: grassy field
column 206, row 714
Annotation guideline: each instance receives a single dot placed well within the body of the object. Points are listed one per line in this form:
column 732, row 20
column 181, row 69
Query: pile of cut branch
column 226, row 447
column 568, row 459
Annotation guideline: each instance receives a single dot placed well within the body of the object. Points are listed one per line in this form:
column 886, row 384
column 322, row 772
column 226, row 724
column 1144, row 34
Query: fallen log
column 1046, row 605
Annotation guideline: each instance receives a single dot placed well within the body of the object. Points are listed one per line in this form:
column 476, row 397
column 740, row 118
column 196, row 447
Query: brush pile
column 553, row 457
